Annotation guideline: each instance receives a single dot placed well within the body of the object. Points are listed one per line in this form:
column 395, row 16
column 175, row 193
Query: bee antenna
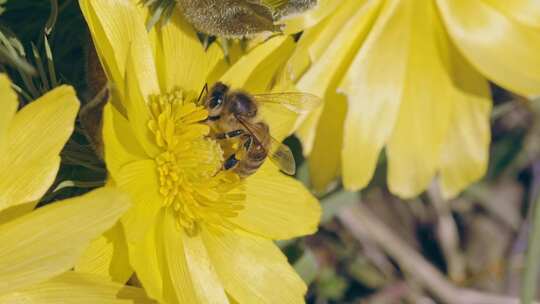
column 203, row 91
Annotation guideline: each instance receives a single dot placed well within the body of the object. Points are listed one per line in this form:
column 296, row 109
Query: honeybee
column 239, row 18
column 228, row 18
column 233, row 115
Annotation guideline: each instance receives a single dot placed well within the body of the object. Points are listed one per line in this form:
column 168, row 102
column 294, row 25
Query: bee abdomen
column 248, row 167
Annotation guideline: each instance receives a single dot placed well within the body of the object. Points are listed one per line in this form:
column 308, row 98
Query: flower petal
column 141, row 84
column 121, row 145
column 114, row 24
column 140, row 180
column 334, row 59
column 14, row 212
column 325, row 158
column 77, row 288
column 192, row 274
column 253, row 269
column 31, row 160
column 485, row 36
column 415, row 146
column 107, row 256
column 19, row 186
column 466, row 148
column 52, row 114
column 523, row 11
column 181, row 58
column 278, row 206
column 255, row 70
column 146, row 258
column 48, row 241
column 310, row 18
column 8, row 104
column 374, row 93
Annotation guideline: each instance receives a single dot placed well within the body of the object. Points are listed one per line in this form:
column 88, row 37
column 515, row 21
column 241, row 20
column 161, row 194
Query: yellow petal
column 107, row 256
column 318, row 39
column 141, row 84
column 466, row 148
column 176, row 262
column 140, row 180
column 48, row 241
column 310, row 18
column 52, row 114
column 8, row 104
column 192, row 274
column 307, row 130
column 524, row 11
column 253, row 270
column 181, row 58
column 374, row 93
column 208, row 287
column 146, row 258
column 503, row 50
column 14, row 212
column 325, row 158
column 121, row 145
column 113, row 25
column 77, row 288
column 334, row 60
column 415, row 146
column 26, row 186
column 311, row 46
column 254, row 71
column 270, row 210
column 30, row 161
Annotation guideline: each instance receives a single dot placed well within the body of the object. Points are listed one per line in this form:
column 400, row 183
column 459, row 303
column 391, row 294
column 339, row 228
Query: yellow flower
column 410, row 77
column 39, row 247
column 196, row 234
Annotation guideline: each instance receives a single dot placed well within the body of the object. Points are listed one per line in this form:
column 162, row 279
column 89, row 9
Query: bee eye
column 215, row 102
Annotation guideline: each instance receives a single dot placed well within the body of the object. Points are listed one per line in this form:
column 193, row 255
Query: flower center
column 191, row 181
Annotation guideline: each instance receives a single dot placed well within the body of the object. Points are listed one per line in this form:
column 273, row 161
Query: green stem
column 532, row 262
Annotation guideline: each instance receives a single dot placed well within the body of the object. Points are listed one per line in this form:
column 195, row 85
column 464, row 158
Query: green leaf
column 52, row 17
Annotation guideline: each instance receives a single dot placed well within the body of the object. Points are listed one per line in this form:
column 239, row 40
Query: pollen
column 192, row 182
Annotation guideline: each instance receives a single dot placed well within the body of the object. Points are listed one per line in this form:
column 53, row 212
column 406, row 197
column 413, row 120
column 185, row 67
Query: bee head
column 216, row 98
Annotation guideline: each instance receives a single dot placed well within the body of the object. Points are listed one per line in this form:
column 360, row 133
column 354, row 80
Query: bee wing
column 295, row 101
column 279, row 153
column 282, row 157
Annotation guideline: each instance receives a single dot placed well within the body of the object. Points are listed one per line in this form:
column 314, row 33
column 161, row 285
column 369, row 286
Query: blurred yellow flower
column 410, row 77
column 39, row 247
column 196, row 234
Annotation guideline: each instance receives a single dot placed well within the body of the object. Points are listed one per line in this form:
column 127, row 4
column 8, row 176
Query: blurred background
column 372, row 247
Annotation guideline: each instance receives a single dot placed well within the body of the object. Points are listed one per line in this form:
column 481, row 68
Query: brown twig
column 361, row 223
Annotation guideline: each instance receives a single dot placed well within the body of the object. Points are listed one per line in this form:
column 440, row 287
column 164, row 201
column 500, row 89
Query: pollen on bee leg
column 191, row 181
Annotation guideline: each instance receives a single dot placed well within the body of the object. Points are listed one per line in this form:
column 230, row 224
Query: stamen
column 192, row 182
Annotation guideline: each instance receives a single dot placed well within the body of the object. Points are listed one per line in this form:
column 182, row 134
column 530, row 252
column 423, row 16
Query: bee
column 228, row 18
column 234, row 115
column 239, row 18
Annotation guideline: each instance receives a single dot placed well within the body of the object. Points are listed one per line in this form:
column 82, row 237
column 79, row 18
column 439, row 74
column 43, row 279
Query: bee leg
column 230, row 134
column 230, row 162
column 248, row 142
